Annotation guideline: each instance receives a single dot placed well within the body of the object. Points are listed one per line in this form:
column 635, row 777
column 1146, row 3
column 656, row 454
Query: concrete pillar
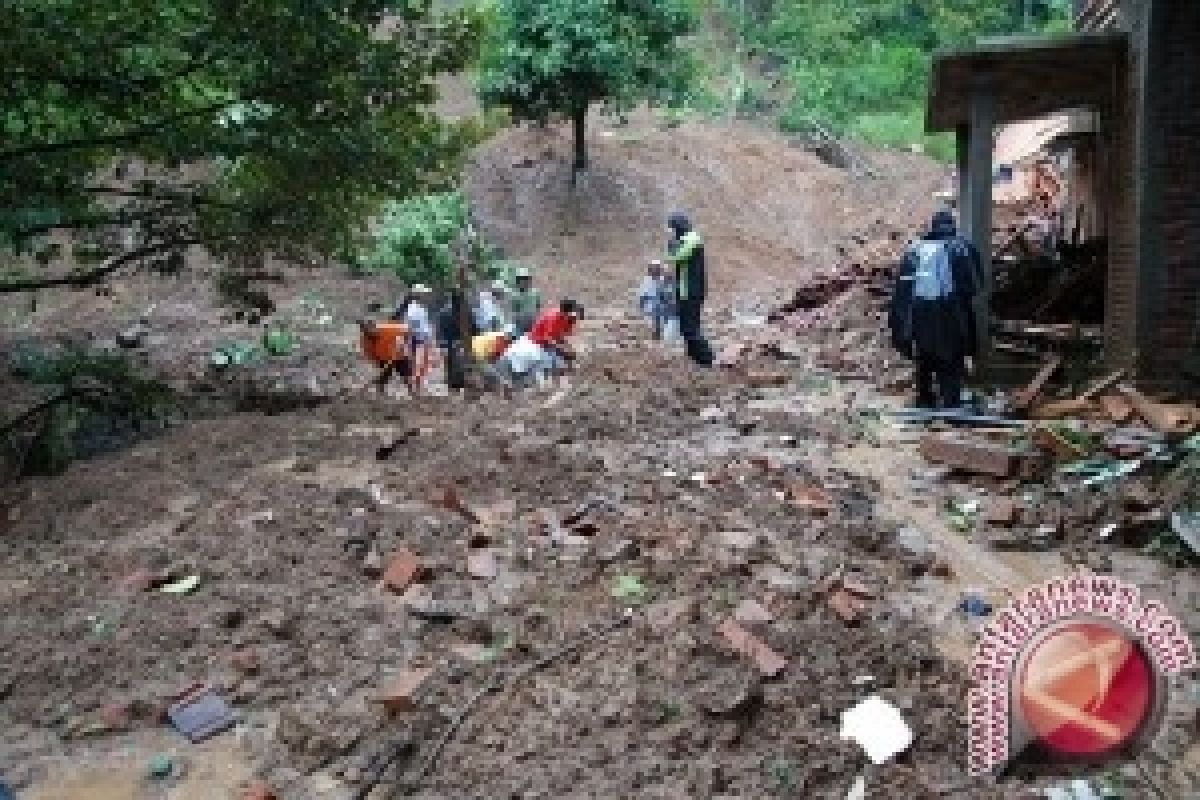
column 962, row 143
column 977, row 210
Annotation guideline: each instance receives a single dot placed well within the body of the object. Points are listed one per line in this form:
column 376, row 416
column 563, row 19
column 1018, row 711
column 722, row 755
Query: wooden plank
column 1023, row 399
column 1102, row 384
column 1163, row 418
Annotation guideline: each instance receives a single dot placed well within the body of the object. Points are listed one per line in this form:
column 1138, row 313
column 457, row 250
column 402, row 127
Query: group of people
column 509, row 335
column 516, row 342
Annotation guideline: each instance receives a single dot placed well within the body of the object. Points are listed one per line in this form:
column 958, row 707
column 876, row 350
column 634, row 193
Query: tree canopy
column 548, row 57
column 133, row 129
column 863, row 67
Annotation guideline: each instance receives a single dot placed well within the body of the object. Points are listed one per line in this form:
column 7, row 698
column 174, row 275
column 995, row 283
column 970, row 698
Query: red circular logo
column 1086, row 689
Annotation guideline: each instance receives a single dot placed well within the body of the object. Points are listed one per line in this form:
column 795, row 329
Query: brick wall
column 1173, row 222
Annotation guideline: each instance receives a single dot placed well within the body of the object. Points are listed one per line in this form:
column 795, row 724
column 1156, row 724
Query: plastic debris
column 160, row 767
column 1186, row 525
column 878, row 727
column 182, row 586
column 975, row 605
column 201, row 714
column 628, row 587
column 859, row 790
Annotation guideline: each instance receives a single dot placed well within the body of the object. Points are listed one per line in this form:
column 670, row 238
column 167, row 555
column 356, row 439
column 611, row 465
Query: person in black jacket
column 932, row 314
column 449, row 324
column 686, row 252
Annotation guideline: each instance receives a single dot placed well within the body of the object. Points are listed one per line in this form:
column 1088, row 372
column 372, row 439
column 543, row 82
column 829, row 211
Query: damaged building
column 1125, row 87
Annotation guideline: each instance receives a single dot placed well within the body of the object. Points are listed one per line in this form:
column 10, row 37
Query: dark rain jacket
column 942, row 330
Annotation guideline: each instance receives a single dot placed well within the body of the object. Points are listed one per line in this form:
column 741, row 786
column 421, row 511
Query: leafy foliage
column 548, row 57
column 141, row 127
column 96, row 390
column 862, row 69
column 415, row 239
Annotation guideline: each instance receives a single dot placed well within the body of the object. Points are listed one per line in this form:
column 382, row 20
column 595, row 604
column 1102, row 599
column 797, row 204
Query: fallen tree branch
column 99, row 273
column 497, row 682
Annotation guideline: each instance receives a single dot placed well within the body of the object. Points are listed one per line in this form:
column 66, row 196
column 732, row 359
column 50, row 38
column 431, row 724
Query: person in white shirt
column 488, row 315
column 415, row 315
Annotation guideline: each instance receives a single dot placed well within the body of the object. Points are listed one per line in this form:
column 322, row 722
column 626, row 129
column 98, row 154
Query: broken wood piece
column 1025, row 397
column 1061, row 408
column 1116, row 407
column 1055, row 444
column 1102, row 384
column 768, row 662
column 1166, row 419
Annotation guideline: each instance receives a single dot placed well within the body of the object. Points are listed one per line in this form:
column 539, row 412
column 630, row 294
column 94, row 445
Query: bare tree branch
column 94, row 276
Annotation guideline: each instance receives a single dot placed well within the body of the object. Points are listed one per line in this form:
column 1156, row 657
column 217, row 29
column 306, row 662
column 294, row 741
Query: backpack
column 933, row 278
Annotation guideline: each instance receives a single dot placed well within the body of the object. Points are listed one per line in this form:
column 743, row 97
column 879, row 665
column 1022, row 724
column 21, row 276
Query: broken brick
column 400, row 693
column 980, row 457
column 768, row 662
column 810, row 498
column 246, row 660
column 259, row 790
column 116, row 716
column 847, row 606
column 1003, row 512
column 403, row 570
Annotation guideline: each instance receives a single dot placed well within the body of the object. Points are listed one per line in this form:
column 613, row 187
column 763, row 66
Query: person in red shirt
column 551, row 329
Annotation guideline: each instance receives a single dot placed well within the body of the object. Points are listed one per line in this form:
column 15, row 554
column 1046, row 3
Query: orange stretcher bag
column 386, row 342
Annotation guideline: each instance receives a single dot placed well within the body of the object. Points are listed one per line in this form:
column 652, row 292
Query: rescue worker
column 686, row 252
column 932, row 313
column 386, row 345
column 524, row 302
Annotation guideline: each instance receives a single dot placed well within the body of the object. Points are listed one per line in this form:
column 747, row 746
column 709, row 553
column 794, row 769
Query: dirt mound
column 771, row 213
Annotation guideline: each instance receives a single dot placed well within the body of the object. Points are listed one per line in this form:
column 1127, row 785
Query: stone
column 768, row 662
column 482, row 564
column 279, row 623
column 667, row 615
column 738, row 540
column 1003, row 512
column 750, row 612
column 246, row 660
column 400, row 693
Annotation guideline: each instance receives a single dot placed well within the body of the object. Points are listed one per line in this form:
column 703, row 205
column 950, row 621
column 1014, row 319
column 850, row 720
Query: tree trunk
column 579, row 122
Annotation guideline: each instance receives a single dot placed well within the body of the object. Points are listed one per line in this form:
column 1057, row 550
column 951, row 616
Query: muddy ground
column 648, row 497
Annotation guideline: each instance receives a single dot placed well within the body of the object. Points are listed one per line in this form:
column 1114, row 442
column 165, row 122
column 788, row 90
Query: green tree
column 549, row 57
column 131, row 130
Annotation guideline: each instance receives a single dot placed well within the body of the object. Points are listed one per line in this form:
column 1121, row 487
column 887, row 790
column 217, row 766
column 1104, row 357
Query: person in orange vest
column 386, row 344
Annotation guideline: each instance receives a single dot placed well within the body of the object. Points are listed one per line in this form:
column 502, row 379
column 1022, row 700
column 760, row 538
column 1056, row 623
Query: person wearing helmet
column 524, row 302
column 686, row 252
